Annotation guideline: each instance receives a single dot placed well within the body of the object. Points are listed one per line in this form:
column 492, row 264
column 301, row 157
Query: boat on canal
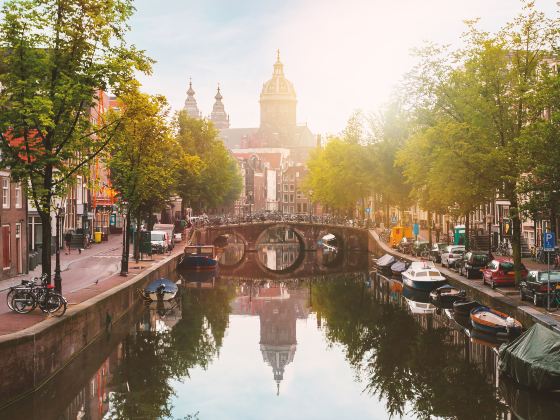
column 161, row 289
column 423, row 275
column 491, row 321
column 198, row 257
column 383, row 264
column 398, row 268
column 446, row 295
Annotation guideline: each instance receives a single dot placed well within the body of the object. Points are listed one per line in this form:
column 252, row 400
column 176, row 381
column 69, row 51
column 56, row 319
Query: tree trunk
column 47, row 241
column 430, row 229
column 467, row 230
column 137, row 239
column 516, row 236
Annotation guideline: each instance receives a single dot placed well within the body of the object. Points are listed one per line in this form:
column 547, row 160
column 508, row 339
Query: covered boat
column 199, row 257
column 161, row 289
column 446, row 295
column 533, row 359
column 423, row 275
column 383, row 264
column 398, row 267
column 491, row 321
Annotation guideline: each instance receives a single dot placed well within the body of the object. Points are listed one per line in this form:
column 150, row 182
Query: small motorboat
column 446, row 295
column 398, row 267
column 491, row 321
column 464, row 307
column 161, row 289
column 423, row 275
column 198, row 257
column 383, row 264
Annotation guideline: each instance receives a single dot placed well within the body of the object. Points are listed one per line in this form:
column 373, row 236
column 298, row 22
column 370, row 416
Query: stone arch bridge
column 350, row 239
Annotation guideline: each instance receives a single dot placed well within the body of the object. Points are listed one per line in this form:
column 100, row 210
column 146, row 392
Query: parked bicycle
column 26, row 297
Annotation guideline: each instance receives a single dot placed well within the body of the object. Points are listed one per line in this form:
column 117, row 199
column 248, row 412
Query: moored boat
column 446, row 295
column 464, row 307
column 533, row 359
column 383, row 264
column 398, row 267
column 160, row 289
column 198, row 257
column 491, row 321
column 423, row 275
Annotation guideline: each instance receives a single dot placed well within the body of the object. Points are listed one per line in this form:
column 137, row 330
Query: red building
column 13, row 228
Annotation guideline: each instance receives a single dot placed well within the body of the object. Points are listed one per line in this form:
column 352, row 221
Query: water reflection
column 230, row 249
column 279, row 248
column 229, row 345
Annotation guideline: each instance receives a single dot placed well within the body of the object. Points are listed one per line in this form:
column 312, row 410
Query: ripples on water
column 324, row 346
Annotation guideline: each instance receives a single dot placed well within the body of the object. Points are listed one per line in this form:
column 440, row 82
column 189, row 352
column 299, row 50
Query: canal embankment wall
column 526, row 314
column 32, row 356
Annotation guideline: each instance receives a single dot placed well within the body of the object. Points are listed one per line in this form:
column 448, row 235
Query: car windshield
column 554, row 276
column 157, row 236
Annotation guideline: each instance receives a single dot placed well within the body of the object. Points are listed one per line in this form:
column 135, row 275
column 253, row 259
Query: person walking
column 68, row 241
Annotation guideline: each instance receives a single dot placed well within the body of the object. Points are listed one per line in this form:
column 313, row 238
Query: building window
column 5, row 193
column 291, row 198
column 298, row 194
column 79, row 190
column 285, row 198
column 285, row 187
column 299, row 207
column 305, row 207
column 18, row 196
column 6, row 249
column 292, row 209
column 285, row 209
column 292, row 188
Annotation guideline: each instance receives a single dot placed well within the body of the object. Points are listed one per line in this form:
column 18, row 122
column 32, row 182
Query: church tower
column 278, row 108
column 190, row 104
column 219, row 116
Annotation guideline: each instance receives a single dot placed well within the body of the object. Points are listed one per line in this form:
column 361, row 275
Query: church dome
column 278, row 88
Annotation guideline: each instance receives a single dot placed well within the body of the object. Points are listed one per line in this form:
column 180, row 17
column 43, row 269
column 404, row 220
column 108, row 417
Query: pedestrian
column 68, row 241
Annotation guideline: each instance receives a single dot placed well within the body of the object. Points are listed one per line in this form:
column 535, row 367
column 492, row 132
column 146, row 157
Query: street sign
column 368, row 210
column 416, row 229
column 549, row 241
column 393, row 219
column 113, row 220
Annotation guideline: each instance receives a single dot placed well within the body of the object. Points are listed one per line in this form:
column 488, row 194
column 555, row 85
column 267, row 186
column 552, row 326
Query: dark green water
column 336, row 345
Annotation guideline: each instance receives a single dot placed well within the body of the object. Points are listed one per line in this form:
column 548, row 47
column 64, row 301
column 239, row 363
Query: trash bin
column 97, row 237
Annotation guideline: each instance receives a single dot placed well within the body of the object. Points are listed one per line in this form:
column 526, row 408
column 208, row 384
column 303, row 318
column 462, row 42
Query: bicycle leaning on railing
column 25, row 297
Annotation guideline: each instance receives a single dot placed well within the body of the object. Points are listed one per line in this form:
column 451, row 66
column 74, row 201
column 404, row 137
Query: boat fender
column 510, row 323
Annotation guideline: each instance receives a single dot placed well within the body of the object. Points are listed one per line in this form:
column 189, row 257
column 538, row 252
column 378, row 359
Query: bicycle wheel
column 54, row 304
column 22, row 301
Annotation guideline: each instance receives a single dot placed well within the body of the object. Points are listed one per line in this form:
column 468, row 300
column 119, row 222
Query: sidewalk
column 84, row 276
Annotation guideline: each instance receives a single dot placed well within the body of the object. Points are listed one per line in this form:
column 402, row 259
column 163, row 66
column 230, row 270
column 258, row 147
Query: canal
column 324, row 341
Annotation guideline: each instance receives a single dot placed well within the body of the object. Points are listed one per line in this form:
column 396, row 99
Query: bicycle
column 554, row 301
column 27, row 296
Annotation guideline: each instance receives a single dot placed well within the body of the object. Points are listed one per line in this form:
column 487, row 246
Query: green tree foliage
column 56, row 56
column 142, row 155
column 218, row 182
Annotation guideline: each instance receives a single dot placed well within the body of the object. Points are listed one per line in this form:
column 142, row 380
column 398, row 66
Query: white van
column 160, row 241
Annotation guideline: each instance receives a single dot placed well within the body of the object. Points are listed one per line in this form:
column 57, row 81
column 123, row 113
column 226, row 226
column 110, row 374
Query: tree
column 142, row 156
column 58, row 55
column 218, row 182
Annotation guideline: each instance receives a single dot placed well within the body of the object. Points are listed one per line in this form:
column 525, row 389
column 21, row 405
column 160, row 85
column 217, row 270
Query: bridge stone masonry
column 350, row 239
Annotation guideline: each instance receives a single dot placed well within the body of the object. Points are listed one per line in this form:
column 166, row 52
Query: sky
column 341, row 55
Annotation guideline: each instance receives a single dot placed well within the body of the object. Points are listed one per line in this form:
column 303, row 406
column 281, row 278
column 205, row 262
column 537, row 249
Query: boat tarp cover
column 533, row 359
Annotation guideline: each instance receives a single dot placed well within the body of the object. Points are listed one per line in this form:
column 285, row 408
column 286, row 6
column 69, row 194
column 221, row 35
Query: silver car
column 451, row 254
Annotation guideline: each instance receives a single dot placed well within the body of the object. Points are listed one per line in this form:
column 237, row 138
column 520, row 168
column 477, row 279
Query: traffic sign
column 416, row 229
column 549, row 241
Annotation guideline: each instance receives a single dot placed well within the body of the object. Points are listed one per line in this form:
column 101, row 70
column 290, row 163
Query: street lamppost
column 57, row 277
column 489, row 222
column 125, row 246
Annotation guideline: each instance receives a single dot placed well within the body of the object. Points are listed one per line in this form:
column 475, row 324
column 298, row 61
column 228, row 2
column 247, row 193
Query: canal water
column 323, row 340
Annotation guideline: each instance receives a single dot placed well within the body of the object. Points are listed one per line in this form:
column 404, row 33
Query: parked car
column 405, row 245
column 420, row 247
column 472, row 262
column 160, row 241
column 535, row 287
column 451, row 254
column 500, row 272
column 169, row 229
column 437, row 249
